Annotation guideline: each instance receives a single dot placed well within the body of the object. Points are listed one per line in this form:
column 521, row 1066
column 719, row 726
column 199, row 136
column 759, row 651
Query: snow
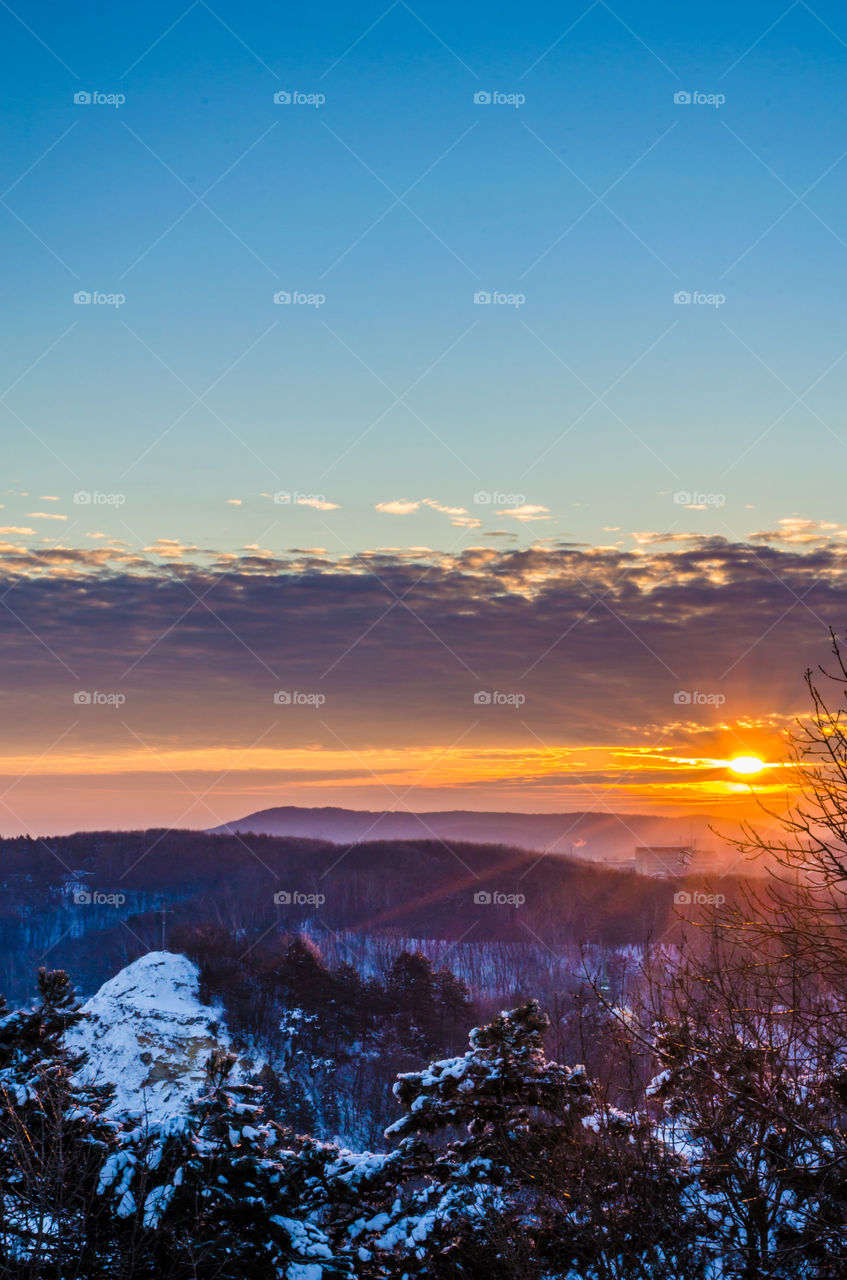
column 148, row 1033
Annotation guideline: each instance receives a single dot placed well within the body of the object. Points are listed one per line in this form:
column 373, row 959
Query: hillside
column 596, row 836
column 95, row 901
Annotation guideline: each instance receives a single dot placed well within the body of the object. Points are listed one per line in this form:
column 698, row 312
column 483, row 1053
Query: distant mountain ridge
column 600, row 836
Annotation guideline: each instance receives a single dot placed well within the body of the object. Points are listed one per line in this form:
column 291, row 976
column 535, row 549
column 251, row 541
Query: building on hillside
column 673, row 860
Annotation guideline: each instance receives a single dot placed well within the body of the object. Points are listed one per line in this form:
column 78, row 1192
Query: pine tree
column 214, row 1193
column 508, row 1165
column 472, row 1130
column 53, row 1139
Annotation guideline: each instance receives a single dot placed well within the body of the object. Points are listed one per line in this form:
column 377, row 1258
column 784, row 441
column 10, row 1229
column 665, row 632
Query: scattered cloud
column 527, row 512
column 320, row 504
column 447, row 511
column 799, row 531
column 397, row 507
column 170, row 548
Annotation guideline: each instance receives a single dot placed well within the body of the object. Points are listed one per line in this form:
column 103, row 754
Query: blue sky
column 503, row 398
column 551, row 406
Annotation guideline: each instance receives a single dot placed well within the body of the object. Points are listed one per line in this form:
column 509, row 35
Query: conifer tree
column 212, row 1192
column 53, row 1139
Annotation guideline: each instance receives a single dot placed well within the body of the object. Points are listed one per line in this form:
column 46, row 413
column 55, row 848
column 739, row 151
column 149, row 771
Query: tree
column 53, row 1139
column 503, row 1168
column 214, row 1195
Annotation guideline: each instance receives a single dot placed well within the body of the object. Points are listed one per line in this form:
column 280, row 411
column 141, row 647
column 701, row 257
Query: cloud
column 10, row 528
column 799, row 531
column 172, row 548
column 447, row 511
column 527, row 512
column 44, row 515
column 320, row 504
column 233, row 502
column 459, row 516
column 597, row 641
column 650, row 538
column 397, row 507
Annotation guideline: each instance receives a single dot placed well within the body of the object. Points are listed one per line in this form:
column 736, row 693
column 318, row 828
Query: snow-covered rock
column 148, row 1033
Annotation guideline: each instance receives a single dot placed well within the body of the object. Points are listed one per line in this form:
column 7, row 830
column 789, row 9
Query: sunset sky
column 526, row 493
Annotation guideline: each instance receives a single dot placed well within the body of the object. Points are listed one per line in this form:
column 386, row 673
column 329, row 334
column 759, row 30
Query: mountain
column 601, row 836
column 147, row 1032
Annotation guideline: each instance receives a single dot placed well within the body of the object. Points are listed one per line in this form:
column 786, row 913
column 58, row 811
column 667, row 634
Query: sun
column 746, row 765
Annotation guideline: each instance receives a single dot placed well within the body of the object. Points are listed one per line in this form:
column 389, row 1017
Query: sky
column 420, row 406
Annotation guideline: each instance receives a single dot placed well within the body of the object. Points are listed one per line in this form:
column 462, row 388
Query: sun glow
column 746, row 765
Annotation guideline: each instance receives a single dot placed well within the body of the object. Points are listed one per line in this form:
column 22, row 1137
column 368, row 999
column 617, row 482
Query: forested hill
column 94, row 901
